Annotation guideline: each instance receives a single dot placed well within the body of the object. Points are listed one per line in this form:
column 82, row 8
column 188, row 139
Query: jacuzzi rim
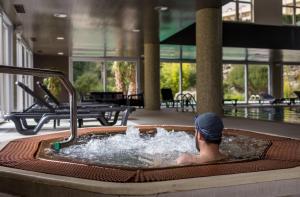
column 153, row 188
column 163, row 180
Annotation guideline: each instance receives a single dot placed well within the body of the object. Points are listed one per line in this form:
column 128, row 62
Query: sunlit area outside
column 238, row 11
column 100, row 76
column 257, row 81
column 170, row 77
column 291, row 77
column 234, row 81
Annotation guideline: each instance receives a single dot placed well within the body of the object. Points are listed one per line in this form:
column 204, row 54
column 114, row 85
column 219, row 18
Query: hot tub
column 24, row 165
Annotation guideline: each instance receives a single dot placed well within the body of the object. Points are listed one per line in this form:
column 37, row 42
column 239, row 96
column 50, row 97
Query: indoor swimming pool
column 287, row 114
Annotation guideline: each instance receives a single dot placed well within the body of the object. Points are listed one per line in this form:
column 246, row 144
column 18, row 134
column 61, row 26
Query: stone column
column 209, row 59
column 151, row 59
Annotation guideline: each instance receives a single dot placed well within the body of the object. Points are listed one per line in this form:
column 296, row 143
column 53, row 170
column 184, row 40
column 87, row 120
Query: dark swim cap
column 210, row 126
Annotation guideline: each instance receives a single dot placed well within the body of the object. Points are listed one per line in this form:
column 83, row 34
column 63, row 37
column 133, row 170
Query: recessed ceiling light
column 60, row 38
column 136, row 30
column 161, row 8
column 60, row 53
column 60, row 15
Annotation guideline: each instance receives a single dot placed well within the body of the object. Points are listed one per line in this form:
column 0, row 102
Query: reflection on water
column 272, row 113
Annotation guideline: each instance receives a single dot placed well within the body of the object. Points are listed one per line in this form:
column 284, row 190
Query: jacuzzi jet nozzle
column 56, row 146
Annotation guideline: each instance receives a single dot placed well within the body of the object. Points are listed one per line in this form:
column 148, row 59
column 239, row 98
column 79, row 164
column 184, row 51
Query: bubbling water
column 161, row 150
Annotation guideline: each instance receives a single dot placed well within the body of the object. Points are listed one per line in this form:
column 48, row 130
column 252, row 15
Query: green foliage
column 87, row 77
column 258, row 79
column 54, row 85
column 233, row 85
column 88, row 82
column 169, row 76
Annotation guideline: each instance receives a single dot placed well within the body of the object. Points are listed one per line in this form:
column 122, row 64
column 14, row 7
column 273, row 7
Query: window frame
column 294, row 7
column 237, row 10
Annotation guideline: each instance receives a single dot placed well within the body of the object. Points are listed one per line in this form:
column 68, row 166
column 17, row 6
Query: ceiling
column 96, row 27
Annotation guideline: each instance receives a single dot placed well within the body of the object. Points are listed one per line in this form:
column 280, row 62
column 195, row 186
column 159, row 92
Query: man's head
column 209, row 127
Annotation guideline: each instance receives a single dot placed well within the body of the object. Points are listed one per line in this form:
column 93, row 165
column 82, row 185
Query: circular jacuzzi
column 29, row 155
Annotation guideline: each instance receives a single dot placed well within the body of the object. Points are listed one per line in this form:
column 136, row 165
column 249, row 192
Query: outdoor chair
column 185, row 102
column 167, row 97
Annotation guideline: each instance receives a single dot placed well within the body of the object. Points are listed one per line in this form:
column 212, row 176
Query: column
column 209, row 59
column 152, row 59
column 276, row 74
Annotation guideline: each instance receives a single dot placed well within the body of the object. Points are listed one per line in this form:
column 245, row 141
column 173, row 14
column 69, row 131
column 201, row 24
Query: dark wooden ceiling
column 96, row 27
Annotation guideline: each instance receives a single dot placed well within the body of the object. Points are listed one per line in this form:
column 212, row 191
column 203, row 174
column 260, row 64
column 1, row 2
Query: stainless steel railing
column 64, row 80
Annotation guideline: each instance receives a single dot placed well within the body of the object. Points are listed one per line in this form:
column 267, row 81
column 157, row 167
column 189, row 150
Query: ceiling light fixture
column 60, row 38
column 60, row 53
column 60, row 15
column 136, row 30
column 161, row 8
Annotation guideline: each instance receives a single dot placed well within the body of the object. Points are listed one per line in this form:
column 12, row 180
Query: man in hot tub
column 208, row 136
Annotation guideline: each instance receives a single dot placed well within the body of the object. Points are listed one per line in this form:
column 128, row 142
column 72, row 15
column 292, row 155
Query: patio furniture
column 136, row 100
column 42, row 112
column 167, row 97
column 231, row 101
column 185, row 102
column 107, row 97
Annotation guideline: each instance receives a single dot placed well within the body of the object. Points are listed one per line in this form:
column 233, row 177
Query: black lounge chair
column 50, row 98
column 42, row 112
column 136, row 100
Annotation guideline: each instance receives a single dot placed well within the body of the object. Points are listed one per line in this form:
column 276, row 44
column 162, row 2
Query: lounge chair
column 54, row 101
column 135, row 100
column 42, row 112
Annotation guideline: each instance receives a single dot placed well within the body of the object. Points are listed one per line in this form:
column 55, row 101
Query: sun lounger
column 42, row 112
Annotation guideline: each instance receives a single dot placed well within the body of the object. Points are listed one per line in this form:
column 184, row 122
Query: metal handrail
column 66, row 83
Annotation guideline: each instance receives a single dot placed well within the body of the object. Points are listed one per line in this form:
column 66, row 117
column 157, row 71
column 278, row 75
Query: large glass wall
column 238, row 10
column 291, row 77
column 234, row 81
column 104, row 76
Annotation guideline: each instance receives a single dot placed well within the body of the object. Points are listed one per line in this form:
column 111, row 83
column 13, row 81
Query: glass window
column 87, row 77
column 169, row 76
column 229, row 11
column 291, row 83
column 189, row 77
column 291, row 12
column 121, row 77
column 287, row 14
column 245, row 12
column 234, row 81
column 105, row 76
column 258, row 78
column 237, row 10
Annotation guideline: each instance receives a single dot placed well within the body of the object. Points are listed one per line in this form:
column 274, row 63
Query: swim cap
column 210, row 126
